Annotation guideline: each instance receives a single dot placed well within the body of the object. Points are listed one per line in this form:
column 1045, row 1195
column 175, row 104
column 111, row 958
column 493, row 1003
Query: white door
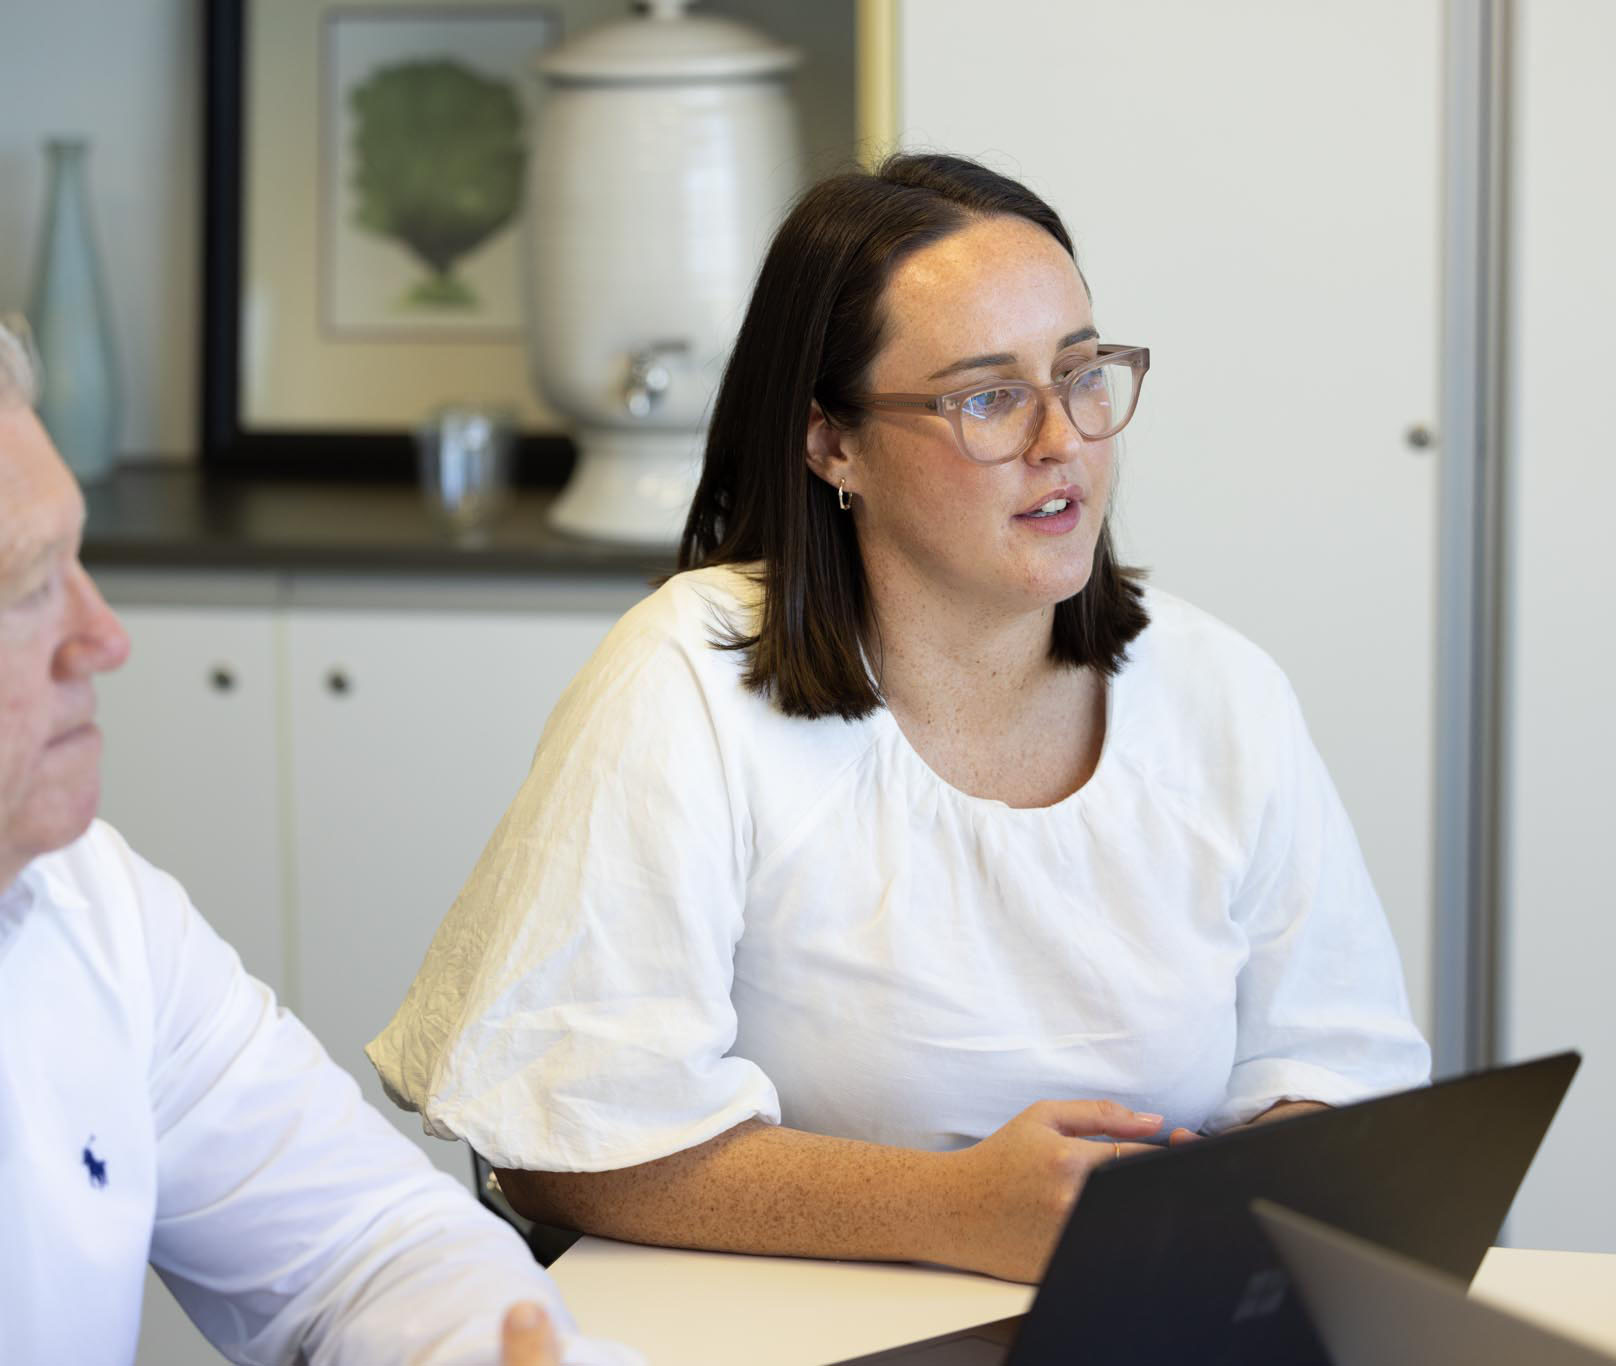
column 411, row 733
column 1254, row 189
column 1560, row 934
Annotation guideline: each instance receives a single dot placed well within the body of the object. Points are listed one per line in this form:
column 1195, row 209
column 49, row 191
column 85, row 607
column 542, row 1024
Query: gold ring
column 1118, row 1147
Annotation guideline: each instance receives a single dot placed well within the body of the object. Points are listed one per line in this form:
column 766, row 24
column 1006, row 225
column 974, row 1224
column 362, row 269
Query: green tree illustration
column 440, row 159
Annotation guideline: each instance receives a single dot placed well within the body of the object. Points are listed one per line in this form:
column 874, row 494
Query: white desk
column 1572, row 1292
column 719, row 1309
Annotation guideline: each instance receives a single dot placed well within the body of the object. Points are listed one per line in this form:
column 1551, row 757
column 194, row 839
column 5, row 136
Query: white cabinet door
column 411, row 733
column 1560, row 936
column 1254, row 189
column 191, row 775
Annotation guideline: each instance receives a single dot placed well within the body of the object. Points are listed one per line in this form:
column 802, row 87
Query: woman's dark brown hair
column 812, row 329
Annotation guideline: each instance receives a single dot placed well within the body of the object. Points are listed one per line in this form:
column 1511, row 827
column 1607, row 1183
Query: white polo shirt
column 155, row 1103
column 699, row 910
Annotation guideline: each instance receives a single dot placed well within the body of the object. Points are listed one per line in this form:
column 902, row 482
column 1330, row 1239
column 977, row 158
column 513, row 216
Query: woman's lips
column 1055, row 524
column 1070, row 492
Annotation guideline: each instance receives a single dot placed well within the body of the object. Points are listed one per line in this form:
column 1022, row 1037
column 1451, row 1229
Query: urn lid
column 663, row 43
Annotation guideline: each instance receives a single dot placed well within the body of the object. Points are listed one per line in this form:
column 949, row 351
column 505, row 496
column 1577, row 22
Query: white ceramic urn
column 666, row 154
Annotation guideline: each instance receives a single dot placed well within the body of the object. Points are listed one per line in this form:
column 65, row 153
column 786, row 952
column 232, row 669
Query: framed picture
column 366, row 181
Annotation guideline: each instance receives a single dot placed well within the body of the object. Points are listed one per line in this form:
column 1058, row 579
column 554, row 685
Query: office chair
column 544, row 1241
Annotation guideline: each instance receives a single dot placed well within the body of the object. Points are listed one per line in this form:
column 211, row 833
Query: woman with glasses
column 904, row 857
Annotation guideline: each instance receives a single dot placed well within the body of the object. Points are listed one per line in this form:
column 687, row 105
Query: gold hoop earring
column 844, row 499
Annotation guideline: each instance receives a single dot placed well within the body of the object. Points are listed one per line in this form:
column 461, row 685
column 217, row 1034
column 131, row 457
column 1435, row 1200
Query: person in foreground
column 154, row 1103
column 903, row 858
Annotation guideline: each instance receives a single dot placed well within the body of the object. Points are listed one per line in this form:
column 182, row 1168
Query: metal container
column 666, row 154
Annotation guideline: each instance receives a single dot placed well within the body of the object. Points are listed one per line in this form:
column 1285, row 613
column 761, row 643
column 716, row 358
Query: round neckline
column 1102, row 765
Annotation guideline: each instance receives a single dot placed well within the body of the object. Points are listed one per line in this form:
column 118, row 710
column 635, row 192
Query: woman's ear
column 830, row 449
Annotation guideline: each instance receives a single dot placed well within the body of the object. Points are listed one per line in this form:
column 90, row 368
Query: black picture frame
column 226, row 446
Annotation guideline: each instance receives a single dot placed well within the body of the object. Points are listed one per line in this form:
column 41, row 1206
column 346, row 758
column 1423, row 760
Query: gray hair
column 19, row 362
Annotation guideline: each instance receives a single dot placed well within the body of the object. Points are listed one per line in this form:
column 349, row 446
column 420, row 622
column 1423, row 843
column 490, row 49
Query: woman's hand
column 1006, row 1199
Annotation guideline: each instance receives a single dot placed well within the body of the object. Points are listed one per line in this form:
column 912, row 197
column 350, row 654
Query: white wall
column 124, row 74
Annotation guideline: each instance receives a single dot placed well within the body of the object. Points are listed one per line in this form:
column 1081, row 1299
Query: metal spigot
column 649, row 376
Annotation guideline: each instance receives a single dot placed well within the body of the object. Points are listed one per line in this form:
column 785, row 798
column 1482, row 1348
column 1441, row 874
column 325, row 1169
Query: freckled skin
column 962, row 593
column 935, row 530
column 996, row 1207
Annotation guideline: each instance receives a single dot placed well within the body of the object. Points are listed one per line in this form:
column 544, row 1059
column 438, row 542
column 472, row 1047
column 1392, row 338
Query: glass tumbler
column 465, row 465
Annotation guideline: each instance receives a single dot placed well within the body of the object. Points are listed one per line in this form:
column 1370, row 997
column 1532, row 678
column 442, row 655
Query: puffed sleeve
column 573, row 1011
column 1321, row 1009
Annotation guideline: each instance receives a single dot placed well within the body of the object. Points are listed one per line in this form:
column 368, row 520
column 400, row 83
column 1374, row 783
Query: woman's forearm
column 764, row 1189
column 997, row 1206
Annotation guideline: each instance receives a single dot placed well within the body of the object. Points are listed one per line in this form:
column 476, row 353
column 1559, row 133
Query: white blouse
column 699, row 910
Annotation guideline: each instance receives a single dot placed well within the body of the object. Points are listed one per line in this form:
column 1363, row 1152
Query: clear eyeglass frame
column 951, row 406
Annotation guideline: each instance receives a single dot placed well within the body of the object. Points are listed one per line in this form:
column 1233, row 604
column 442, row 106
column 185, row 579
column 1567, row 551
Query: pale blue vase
column 79, row 396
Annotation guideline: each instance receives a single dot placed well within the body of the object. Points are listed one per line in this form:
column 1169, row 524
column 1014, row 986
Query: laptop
column 1161, row 1259
column 1372, row 1307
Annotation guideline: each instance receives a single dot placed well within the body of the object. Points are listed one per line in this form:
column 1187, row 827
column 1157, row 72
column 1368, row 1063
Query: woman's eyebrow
column 1082, row 334
column 1008, row 357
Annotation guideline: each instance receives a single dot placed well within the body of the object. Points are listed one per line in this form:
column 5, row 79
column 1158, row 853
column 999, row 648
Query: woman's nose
column 1056, row 441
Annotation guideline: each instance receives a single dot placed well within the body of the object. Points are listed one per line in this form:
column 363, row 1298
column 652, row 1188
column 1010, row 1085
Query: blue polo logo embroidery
column 94, row 1165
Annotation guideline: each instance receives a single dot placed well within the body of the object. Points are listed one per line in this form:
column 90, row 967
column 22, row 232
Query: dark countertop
column 175, row 517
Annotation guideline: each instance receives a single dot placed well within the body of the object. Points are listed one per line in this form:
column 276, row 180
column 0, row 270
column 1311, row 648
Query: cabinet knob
column 338, row 684
column 1419, row 436
column 222, row 678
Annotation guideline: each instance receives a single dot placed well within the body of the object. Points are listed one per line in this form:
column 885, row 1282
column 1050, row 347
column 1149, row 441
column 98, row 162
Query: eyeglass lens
column 997, row 423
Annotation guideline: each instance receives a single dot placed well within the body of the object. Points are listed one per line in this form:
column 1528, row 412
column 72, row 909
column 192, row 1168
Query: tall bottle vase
column 79, row 398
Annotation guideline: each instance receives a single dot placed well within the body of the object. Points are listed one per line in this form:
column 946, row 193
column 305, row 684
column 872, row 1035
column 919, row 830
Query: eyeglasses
column 997, row 422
